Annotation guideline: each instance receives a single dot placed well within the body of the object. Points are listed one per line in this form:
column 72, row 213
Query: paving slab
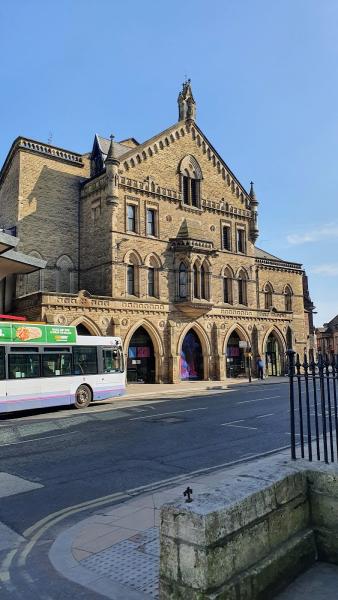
column 318, row 583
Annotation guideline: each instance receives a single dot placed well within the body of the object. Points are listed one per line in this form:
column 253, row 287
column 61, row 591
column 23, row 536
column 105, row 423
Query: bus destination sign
column 39, row 334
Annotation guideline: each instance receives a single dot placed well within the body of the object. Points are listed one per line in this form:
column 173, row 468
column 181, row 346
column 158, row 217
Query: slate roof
column 259, row 253
column 120, row 149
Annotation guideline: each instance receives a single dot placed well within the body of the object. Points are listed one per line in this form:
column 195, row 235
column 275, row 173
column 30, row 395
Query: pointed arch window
column 268, row 291
column 131, row 280
column 242, row 289
column 182, row 281
column 151, row 282
column 288, row 298
column 64, row 274
column 204, row 283
column 196, row 281
column 191, row 176
column 227, row 287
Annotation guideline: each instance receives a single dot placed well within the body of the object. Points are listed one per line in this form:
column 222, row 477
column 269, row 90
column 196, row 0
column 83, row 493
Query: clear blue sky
column 264, row 75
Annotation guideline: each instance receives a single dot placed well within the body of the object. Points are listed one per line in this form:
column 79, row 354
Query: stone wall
column 252, row 535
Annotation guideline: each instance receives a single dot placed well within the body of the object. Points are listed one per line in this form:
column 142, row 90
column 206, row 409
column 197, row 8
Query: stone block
column 324, row 511
column 327, row 544
column 288, row 520
column 323, row 480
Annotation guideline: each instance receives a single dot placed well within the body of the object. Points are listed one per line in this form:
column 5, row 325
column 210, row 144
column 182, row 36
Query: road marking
column 232, row 424
column 175, row 412
column 258, row 399
column 45, row 437
column 41, row 526
column 263, row 416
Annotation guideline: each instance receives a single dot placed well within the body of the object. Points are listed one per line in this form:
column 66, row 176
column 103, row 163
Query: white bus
column 45, row 365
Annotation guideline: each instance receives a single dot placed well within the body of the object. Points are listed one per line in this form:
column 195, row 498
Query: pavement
column 116, row 463
column 115, row 552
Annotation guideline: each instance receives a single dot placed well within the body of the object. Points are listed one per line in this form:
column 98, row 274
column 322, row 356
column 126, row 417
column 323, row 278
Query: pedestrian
column 260, row 367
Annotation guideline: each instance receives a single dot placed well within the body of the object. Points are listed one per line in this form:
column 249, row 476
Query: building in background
column 154, row 242
column 327, row 337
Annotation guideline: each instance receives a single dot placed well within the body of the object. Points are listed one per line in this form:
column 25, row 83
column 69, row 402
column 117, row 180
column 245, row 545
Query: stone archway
column 141, row 358
column 153, row 342
column 191, row 357
column 236, row 342
column 85, row 326
column 274, row 353
column 199, row 353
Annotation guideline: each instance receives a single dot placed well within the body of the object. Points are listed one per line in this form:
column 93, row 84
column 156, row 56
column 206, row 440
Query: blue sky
column 264, row 76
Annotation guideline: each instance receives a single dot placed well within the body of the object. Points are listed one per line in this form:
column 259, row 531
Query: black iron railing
column 313, row 406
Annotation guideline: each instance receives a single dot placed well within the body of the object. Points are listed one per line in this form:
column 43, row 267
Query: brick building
column 327, row 337
column 154, row 242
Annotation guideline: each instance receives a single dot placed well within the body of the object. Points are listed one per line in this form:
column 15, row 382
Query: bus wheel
column 83, row 397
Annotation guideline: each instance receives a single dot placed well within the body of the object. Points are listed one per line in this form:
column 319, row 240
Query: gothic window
column 204, row 284
column 182, row 281
column 227, row 287
column 32, row 282
column 196, row 281
column 242, row 288
column 191, row 176
column 241, row 240
column 64, row 275
column 151, row 282
column 288, row 298
column 131, row 280
column 268, row 296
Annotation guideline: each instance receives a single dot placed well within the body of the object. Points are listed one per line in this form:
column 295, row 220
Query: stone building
column 327, row 337
column 154, row 242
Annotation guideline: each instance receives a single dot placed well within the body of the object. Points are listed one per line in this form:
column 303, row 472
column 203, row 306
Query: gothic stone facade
column 159, row 235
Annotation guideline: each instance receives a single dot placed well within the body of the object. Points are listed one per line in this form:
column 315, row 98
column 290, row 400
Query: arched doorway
column 235, row 356
column 141, row 358
column 81, row 329
column 191, row 358
column 274, row 363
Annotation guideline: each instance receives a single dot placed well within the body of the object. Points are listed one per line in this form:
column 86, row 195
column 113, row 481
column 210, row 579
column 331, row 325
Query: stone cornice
column 272, row 265
column 28, row 145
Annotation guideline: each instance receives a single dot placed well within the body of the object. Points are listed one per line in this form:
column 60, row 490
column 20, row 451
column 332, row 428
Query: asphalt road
column 79, row 456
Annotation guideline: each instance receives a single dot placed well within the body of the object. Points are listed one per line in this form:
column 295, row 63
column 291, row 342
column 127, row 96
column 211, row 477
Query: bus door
column 23, row 384
column 111, row 372
column 2, row 378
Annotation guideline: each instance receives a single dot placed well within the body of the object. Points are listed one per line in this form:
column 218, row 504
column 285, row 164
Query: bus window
column 2, row 363
column 85, row 360
column 56, row 365
column 112, row 360
column 23, row 365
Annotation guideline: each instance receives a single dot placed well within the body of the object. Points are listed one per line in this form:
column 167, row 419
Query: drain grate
column 133, row 562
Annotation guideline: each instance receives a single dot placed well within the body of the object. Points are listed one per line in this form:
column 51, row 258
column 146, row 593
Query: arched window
column 191, row 176
column 268, row 291
column 242, row 288
column 227, row 286
column 182, row 281
column 204, row 283
column 32, row 282
column 131, row 280
column 151, row 282
column 64, row 275
column 196, row 281
column 288, row 298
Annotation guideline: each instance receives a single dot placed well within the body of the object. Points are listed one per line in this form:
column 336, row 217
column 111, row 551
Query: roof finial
column 111, row 158
column 186, row 103
column 252, row 191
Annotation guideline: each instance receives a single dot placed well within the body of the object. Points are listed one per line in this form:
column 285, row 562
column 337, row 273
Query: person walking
column 260, row 367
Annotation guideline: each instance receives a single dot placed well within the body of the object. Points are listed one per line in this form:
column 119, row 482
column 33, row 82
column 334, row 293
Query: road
column 73, row 457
